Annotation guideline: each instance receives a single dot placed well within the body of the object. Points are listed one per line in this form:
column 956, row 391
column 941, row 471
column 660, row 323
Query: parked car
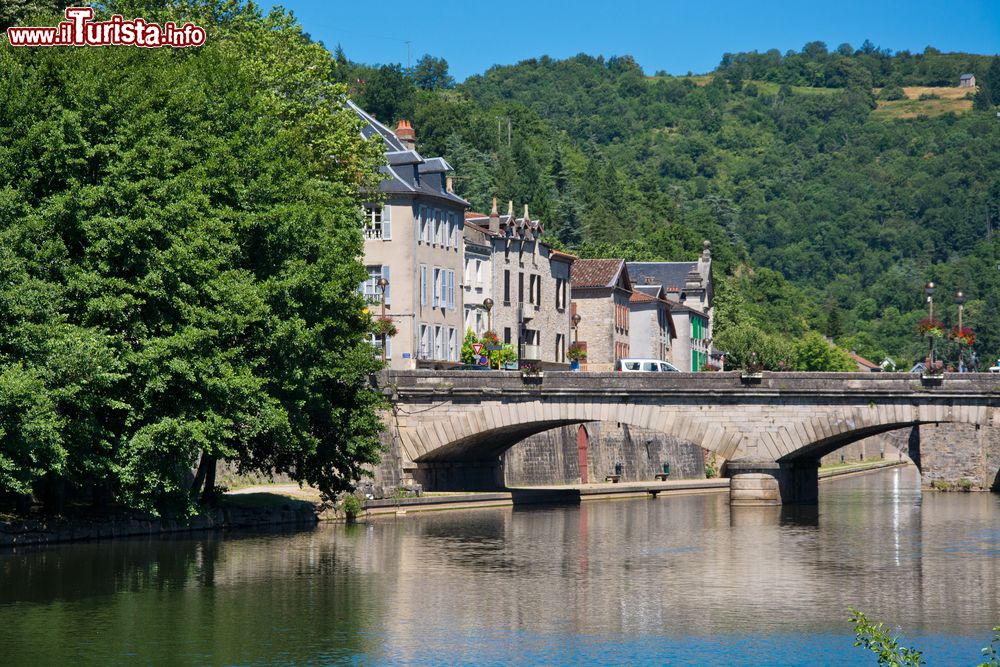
column 995, row 369
column 645, row 366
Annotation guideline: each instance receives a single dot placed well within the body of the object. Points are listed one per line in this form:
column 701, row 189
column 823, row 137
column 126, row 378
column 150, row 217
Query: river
column 680, row 581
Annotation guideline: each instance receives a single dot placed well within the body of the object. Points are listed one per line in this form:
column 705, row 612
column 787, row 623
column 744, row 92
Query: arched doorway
column 581, row 452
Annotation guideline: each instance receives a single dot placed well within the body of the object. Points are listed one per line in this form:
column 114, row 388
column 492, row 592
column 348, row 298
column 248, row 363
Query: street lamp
column 488, row 305
column 576, row 328
column 382, row 284
column 929, row 288
column 960, row 301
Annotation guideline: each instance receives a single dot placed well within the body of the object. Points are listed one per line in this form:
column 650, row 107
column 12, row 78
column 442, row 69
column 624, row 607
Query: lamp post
column 382, row 284
column 576, row 328
column 488, row 305
column 960, row 302
column 929, row 288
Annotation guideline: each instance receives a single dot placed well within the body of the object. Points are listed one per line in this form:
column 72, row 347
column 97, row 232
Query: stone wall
column 946, row 454
column 551, row 457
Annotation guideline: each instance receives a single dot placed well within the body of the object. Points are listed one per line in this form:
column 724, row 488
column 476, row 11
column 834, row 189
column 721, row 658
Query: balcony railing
column 373, row 232
column 373, row 299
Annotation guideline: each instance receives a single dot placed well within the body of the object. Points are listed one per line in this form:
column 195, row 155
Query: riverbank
column 274, row 505
column 247, row 511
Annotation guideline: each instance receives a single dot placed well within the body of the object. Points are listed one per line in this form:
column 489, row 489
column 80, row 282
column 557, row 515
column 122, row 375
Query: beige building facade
column 414, row 240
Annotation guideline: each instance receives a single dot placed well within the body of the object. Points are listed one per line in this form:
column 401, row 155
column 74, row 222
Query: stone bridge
column 450, row 427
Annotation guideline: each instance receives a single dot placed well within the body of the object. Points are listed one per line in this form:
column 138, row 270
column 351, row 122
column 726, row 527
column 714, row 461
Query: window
column 425, row 348
column 438, row 343
column 370, row 288
column 520, row 287
column 506, row 286
column 443, row 300
column 423, row 284
column 377, row 224
column 376, row 343
column 453, row 226
column 468, row 272
column 438, row 224
column 435, row 286
column 451, row 345
column 479, row 273
column 559, row 294
column 451, row 290
column 560, row 354
column 506, row 335
column 422, row 224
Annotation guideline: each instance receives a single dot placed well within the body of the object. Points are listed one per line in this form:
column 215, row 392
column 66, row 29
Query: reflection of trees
column 400, row 590
column 208, row 600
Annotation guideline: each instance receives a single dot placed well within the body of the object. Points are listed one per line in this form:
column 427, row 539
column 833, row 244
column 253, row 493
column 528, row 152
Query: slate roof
column 966, row 77
column 668, row 274
column 407, row 172
column 596, row 272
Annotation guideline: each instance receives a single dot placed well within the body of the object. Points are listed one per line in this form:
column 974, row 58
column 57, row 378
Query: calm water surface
column 682, row 581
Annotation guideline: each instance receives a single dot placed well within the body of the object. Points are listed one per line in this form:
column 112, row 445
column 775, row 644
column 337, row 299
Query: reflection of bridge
column 451, row 427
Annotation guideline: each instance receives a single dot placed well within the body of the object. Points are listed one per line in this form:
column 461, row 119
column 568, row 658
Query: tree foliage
column 173, row 282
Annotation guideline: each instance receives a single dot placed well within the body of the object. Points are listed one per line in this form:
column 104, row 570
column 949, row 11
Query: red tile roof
column 473, row 214
column 864, row 362
column 596, row 272
column 639, row 297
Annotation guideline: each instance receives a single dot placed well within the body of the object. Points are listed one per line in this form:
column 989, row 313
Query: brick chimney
column 494, row 218
column 406, row 134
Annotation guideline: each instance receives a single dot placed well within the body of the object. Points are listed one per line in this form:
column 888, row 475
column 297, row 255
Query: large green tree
column 178, row 284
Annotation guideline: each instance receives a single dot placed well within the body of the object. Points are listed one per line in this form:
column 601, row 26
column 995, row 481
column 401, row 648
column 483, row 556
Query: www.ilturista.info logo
column 79, row 29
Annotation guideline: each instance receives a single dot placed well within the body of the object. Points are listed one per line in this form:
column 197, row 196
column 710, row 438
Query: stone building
column 651, row 326
column 689, row 288
column 414, row 240
column 530, row 284
column 601, row 294
column 967, row 81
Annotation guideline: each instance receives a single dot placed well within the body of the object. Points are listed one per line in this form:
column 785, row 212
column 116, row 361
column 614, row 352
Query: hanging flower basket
column 384, row 326
column 964, row 336
column 930, row 328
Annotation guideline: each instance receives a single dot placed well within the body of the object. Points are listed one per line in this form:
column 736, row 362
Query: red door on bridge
column 581, row 451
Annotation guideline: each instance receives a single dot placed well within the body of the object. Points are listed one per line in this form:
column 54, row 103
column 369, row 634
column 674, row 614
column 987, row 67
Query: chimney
column 406, row 134
column 494, row 218
column 448, row 183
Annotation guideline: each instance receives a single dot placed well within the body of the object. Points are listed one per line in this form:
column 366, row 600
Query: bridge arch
column 465, row 420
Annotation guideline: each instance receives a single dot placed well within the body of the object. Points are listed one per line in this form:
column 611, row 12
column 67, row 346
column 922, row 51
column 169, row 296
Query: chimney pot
column 406, row 134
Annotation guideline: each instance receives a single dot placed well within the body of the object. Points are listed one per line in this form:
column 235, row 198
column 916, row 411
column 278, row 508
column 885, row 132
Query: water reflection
column 565, row 585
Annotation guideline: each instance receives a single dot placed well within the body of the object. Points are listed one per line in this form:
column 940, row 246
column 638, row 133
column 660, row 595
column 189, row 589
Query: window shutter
column 386, row 223
column 423, row 285
column 388, row 288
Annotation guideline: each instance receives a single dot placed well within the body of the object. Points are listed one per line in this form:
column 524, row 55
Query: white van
column 645, row 366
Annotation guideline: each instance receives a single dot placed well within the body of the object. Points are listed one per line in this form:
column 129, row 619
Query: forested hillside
column 824, row 213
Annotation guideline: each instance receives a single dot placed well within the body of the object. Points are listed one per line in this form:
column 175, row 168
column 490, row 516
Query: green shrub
column 892, row 93
column 352, row 507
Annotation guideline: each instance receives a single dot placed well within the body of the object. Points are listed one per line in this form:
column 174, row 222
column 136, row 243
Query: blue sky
column 670, row 35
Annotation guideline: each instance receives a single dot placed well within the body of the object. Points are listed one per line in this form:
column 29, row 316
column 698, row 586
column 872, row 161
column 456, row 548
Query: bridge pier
column 756, row 483
column 460, row 475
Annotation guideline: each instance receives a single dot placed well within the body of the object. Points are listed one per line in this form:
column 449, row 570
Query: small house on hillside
column 864, row 365
column 967, row 81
